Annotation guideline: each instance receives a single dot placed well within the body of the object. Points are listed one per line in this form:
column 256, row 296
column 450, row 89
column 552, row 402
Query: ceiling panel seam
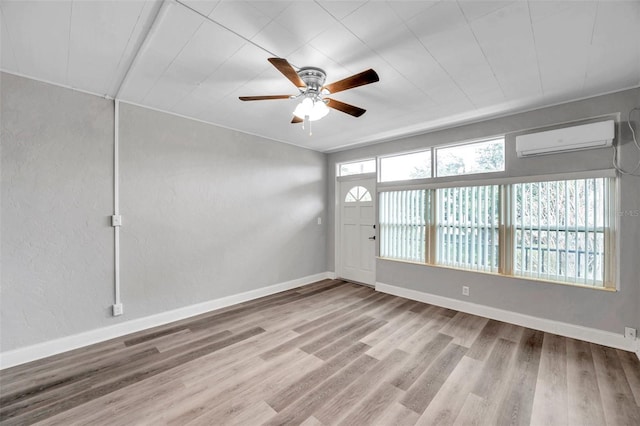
column 66, row 74
column 535, row 48
column 161, row 10
column 411, row 82
column 248, row 40
column 6, row 25
column 593, row 31
column 484, row 55
column 116, row 81
column 444, row 70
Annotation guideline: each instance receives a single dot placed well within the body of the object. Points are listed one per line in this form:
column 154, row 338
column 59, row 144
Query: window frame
column 506, row 231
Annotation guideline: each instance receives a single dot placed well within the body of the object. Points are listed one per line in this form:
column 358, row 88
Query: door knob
column 372, row 238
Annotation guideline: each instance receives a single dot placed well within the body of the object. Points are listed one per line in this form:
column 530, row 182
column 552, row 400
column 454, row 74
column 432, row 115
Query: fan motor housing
column 313, row 77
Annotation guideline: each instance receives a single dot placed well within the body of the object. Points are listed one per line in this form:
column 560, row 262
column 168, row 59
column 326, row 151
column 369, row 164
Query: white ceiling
column 440, row 63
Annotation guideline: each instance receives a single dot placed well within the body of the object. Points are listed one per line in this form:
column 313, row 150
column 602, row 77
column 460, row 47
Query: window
column 477, row 157
column 553, row 230
column 402, row 224
column 357, row 167
column 357, row 193
column 467, row 227
column 416, row 165
column 560, row 230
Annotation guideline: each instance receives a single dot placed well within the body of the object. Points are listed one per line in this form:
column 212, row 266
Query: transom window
column 415, row 165
column 485, row 156
column 357, row 167
column 477, row 157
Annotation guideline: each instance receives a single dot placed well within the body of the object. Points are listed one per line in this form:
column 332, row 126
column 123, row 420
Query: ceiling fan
column 310, row 84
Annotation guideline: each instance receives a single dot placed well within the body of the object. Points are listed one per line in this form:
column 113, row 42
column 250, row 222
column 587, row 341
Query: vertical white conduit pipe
column 116, row 197
column 160, row 13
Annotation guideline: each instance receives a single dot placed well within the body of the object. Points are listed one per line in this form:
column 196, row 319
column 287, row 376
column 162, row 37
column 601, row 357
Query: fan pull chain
column 308, row 122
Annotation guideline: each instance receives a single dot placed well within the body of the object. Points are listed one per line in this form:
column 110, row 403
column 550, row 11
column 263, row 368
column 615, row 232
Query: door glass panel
column 357, row 193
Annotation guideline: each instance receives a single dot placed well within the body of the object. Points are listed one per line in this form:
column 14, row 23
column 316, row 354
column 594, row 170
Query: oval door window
column 357, row 193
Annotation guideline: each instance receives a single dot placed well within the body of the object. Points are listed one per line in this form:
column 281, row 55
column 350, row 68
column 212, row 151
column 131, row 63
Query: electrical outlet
column 630, row 333
column 118, row 309
column 319, row 221
column 465, row 290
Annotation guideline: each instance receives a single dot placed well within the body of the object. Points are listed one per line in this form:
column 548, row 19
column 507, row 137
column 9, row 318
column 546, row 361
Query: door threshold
column 356, row 282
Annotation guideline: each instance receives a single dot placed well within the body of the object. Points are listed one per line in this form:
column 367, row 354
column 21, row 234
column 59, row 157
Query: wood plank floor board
column 618, row 401
column 234, row 394
column 483, row 344
column 304, row 407
column 464, row 328
column 584, row 399
column 332, row 336
column 448, row 401
column 431, row 327
column 517, row 404
column 496, row 369
column 318, row 332
column 402, row 332
column 372, row 406
column 629, row 363
column 292, row 393
column 340, row 404
column 375, row 359
column 397, row 415
column 220, row 405
column 421, row 361
column 550, row 400
column 342, row 343
column 474, row 411
column 427, row 386
column 355, row 308
column 392, row 325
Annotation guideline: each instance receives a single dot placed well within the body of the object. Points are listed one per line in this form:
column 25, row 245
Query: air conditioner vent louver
column 586, row 136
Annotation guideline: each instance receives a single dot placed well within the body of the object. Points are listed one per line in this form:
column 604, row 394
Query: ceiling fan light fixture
column 311, row 109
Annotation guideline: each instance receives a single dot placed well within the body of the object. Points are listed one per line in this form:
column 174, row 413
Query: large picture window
column 551, row 230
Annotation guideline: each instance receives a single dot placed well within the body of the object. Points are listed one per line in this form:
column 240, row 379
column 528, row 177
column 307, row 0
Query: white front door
column 357, row 230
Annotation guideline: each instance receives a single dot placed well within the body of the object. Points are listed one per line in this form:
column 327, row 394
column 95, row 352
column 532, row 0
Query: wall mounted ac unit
column 592, row 135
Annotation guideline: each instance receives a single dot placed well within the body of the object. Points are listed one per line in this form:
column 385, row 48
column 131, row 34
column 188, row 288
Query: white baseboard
column 64, row 344
column 592, row 335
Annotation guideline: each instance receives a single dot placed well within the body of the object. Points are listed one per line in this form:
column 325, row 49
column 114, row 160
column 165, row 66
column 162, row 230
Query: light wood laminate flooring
column 330, row 353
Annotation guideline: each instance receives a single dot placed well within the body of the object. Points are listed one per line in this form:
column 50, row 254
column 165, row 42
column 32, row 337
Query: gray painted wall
column 610, row 311
column 207, row 212
column 210, row 212
column 57, row 245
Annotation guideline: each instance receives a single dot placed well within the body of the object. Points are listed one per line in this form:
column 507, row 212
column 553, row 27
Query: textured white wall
column 207, row 212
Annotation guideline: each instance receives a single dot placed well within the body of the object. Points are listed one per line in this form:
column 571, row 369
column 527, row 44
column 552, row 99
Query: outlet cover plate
column 118, row 309
column 630, row 333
